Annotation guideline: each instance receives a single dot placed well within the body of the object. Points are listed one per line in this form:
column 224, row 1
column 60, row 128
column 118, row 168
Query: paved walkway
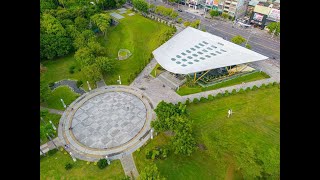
column 49, row 145
column 129, row 166
column 53, row 111
column 72, row 84
column 100, row 83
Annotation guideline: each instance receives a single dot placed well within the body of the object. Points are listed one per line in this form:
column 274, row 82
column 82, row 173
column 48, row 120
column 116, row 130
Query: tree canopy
column 141, row 5
column 274, row 26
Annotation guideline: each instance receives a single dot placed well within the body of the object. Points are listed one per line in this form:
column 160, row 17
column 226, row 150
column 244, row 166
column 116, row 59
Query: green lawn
column 137, row 34
column 58, row 69
column 250, row 139
column 62, row 92
column 52, row 167
column 185, row 90
column 54, row 118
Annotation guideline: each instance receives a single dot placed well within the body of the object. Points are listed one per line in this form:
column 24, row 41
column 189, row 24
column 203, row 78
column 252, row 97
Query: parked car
column 180, row 10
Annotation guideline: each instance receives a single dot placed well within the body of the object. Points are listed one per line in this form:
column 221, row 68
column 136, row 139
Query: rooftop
column 193, row 51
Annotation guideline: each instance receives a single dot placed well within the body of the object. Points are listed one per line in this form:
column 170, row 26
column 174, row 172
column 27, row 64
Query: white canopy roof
column 193, row 51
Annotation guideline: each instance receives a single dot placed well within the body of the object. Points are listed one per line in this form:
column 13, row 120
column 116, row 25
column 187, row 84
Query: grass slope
column 185, row 90
column 62, row 92
column 54, row 118
column 249, row 140
column 52, row 167
column 137, row 34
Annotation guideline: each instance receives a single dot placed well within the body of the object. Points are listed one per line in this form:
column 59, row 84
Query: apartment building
column 235, row 8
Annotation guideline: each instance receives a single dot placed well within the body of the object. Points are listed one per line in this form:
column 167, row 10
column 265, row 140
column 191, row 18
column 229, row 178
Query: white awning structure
column 193, row 51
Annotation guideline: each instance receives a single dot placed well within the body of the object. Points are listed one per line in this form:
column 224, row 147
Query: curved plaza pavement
column 109, row 121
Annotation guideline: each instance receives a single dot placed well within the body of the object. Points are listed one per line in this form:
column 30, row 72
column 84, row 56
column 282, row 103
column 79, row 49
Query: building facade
column 235, row 8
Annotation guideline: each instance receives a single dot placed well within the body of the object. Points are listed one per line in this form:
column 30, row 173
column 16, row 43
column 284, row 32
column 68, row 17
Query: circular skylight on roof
column 190, row 62
column 196, row 60
column 173, row 59
column 189, row 57
column 209, row 48
column 178, row 56
column 213, row 54
column 183, row 53
column 184, row 60
column 204, row 50
column 178, row 62
column 197, row 46
column 204, row 42
column 200, row 52
column 193, row 49
column 208, row 56
column 188, row 51
column 201, row 44
column 194, row 55
column 218, row 52
column 183, row 65
column 202, row 58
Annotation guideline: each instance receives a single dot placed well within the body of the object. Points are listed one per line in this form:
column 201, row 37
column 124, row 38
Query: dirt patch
column 230, row 172
column 169, row 133
column 202, row 147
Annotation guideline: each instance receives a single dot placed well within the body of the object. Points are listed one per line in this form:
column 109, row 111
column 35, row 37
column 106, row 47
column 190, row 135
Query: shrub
column 71, row 69
column 51, row 84
column 179, row 20
column 102, row 163
column 218, row 95
column 226, row 93
column 79, row 83
column 234, row 91
column 68, row 166
column 164, row 153
column 52, row 152
column 186, row 23
column 203, row 99
column 263, row 85
column 269, row 85
column 195, row 100
column 210, row 97
column 248, row 89
column 188, row 101
column 241, row 91
column 254, row 87
column 274, row 83
column 148, row 154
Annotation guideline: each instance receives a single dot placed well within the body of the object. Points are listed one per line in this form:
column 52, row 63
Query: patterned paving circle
column 109, row 120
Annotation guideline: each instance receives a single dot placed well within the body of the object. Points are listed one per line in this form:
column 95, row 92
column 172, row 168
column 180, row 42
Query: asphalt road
column 259, row 40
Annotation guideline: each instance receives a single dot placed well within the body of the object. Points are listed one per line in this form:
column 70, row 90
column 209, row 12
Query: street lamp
column 89, row 86
column 249, row 36
column 119, row 80
column 64, row 105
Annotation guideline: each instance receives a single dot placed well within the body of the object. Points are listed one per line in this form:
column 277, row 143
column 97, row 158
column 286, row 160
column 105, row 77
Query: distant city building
column 262, row 15
column 235, row 8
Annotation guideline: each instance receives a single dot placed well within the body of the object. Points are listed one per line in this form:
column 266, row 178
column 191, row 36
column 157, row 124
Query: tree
column 47, row 4
column 274, row 26
column 81, row 23
column 102, row 163
column 82, row 40
column 52, row 46
column 50, row 25
column 102, row 21
column 92, row 73
column 84, row 56
column 95, row 47
column 186, row 23
column 195, row 24
column 105, row 64
column 238, row 39
column 150, row 172
column 225, row 15
column 214, row 13
column 141, row 5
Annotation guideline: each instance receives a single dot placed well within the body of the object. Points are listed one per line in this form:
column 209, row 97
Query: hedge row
column 233, row 92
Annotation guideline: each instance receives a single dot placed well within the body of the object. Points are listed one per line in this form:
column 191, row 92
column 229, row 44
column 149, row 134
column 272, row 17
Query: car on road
column 180, row 10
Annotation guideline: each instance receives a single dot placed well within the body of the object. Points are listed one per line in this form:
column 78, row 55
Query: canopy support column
column 195, row 76
column 202, row 76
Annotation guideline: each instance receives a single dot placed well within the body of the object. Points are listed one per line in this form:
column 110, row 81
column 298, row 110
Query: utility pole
column 249, row 36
